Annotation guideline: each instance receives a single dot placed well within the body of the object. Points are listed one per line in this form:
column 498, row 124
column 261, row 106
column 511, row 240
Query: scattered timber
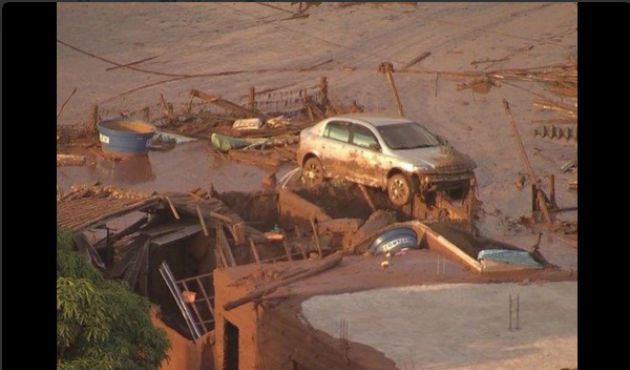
column 530, row 171
column 416, row 60
column 326, row 264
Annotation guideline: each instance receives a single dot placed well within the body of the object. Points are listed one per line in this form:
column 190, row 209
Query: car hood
column 440, row 158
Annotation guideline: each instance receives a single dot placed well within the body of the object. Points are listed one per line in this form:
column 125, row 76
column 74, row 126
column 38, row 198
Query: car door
column 334, row 148
column 366, row 158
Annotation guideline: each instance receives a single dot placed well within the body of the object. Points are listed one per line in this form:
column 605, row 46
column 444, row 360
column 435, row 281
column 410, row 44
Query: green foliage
column 100, row 323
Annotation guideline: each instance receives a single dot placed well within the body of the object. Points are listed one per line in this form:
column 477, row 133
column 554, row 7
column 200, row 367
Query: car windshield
column 407, row 136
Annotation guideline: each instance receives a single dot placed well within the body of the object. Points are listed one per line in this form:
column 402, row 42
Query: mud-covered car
column 392, row 153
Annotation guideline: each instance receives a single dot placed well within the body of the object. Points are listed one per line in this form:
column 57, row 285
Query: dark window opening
column 230, row 358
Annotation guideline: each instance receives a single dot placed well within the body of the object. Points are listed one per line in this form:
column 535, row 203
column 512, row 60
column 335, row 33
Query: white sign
column 103, row 138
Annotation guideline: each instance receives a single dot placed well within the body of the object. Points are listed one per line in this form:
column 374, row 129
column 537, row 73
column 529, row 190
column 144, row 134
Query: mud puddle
column 185, row 167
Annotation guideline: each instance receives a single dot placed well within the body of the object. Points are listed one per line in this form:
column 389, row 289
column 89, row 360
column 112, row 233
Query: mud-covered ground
column 199, row 38
column 450, row 334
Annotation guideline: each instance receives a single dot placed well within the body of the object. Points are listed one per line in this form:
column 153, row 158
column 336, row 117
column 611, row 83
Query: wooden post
column 510, row 309
column 93, row 119
column 387, row 68
column 286, row 250
column 534, row 202
column 254, row 251
column 532, row 176
column 202, row 221
column 367, row 197
column 167, row 108
column 252, row 98
column 518, row 308
column 552, row 191
column 173, row 209
column 316, row 236
column 323, row 85
column 437, row 77
column 147, row 114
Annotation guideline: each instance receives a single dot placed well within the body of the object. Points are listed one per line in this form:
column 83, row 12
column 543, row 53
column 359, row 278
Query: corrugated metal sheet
column 176, row 236
column 77, row 213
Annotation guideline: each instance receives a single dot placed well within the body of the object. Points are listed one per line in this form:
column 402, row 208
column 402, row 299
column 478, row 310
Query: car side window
column 363, row 137
column 339, row 131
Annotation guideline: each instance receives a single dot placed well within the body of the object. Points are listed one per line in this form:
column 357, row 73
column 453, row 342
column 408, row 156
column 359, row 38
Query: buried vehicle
column 391, row 153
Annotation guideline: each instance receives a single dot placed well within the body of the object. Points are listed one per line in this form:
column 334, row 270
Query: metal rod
column 518, row 307
column 194, row 307
column 167, row 275
column 510, row 308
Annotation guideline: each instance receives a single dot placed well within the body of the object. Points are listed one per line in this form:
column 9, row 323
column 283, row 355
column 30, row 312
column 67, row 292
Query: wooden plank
column 327, row 263
column 126, row 231
column 316, row 237
column 66, row 102
column 532, row 176
column 221, row 217
column 131, row 64
column 254, row 251
column 170, row 204
column 286, row 250
column 202, row 221
column 224, row 246
column 367, row 197
column 416, row 60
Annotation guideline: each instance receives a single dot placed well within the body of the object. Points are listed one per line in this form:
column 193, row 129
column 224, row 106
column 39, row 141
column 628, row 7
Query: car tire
column 399, row 189
column 313, row 172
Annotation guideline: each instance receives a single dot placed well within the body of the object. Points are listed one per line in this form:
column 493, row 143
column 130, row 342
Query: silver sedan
column 392, row 153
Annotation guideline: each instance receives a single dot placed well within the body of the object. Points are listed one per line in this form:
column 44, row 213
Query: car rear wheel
column 399, row 189
column 312, row 171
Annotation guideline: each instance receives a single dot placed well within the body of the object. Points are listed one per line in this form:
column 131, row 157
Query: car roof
column 372, row 119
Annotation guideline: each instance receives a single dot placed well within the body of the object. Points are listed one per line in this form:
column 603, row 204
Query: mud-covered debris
column 340, row 225
column 269, row 181
column 375, row 222
column 569, row 165
column 277, row 122
column 247, row 124
column 70, row 160
column 520, row 182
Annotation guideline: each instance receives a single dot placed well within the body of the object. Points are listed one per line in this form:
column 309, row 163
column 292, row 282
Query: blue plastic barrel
column 125, row 136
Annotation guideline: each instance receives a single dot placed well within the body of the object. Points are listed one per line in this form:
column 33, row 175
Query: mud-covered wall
column 258, row 209
column 295, row 210
column 285, row 343
column 271, row 336
column 243, row 317
column 184, row 353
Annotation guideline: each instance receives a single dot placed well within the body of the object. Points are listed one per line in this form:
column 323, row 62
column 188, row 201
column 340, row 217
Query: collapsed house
column 193, row 254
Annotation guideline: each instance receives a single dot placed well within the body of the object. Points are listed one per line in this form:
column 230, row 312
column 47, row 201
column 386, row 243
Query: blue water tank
column 394, row 240
column 125, row 136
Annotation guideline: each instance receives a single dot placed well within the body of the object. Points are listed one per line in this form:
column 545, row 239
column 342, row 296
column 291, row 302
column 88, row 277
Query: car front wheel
column 313, row 172
column 399, row 189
